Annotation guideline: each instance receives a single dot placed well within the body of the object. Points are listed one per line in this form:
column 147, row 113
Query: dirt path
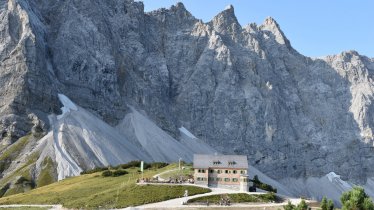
column 54, row 207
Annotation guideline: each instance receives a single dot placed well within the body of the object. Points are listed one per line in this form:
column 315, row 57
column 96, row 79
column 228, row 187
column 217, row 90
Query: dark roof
column 220, row 161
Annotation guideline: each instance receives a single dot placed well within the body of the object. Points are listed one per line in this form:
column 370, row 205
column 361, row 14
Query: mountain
column 239, row 89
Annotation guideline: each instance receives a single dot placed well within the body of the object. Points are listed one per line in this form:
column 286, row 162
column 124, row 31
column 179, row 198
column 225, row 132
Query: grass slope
column 96, row 191
column 187, row 171
column 46, row 175
column 10, row 154
column 20, row 180
column 237, row 198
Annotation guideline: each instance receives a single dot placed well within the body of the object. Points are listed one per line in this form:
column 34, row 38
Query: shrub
column 327, row 204
column 356, row 199
column 302, row 205
column 267, row 187
column 119, row 173
column 158, row 165
column 21, row 180
column 115, row 173
column 98, row 169
column 258, row 184
column 131, row 164
column 330, row 205
column 26, row 182
column 289, row 206
column 269, row 197
column 324, row 203
column 106, row 173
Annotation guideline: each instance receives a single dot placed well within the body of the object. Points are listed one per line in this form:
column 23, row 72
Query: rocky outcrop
column 240, row 89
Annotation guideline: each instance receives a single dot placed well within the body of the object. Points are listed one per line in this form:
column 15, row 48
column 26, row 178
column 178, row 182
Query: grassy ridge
column 46, row 175
column 22, row 175
column 96, row 191
column 10, row 154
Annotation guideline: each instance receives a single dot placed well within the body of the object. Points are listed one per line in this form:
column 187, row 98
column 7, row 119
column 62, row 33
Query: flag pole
column 142, row 169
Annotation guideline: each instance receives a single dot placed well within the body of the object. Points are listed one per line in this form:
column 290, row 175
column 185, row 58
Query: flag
column 141, row 166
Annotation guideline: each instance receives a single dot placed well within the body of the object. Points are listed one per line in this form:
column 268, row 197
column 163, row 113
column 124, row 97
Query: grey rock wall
column 241, row 89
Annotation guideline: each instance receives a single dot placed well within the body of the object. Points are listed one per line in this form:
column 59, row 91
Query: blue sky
column 314, row 27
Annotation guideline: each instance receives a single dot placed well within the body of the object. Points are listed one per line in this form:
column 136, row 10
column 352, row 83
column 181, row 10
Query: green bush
column 289, row 206
column 327, row 205
column 158, row 165
column 269, row 197
column 21, row 180
column 95, row 170
column 26, row 182
column 258, row 184
column 330, row 205
column 106, row 173
column 119, row 173
column 131, row 164
column 356, row 199
column 115, row 173
column 302, row 206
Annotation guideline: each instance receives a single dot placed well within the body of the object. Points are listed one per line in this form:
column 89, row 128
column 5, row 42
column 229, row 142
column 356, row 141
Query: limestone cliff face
column 240, row 89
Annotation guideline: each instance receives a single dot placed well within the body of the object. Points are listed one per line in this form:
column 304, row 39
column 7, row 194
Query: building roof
column 220, row 161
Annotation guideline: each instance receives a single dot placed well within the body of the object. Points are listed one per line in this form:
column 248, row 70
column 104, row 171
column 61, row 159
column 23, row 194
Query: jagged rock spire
column 271, row 25
column 226, row 22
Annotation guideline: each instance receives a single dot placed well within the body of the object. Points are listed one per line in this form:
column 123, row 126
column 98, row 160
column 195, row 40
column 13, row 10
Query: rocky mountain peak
column 226, row 22
column 230, row 8
column 180, row 9
column 270, row 24
column 349, row 55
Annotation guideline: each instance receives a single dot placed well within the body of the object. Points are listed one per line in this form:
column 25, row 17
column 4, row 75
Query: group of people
column 180, row 180
column 225, row 201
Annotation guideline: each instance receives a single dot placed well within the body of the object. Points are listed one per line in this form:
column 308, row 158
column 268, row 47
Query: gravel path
column 53, row 207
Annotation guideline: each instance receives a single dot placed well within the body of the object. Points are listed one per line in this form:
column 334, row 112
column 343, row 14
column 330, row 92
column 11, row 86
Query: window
column 219, row 171
column 226, row 171
column 211, row 178
column 234, row 171
column 234, row 179
column 201, row 171
column 211, row 171
column 216, row 162
column 242, row 172
column 218, row 179
column 227, row 179
column 200, row 179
